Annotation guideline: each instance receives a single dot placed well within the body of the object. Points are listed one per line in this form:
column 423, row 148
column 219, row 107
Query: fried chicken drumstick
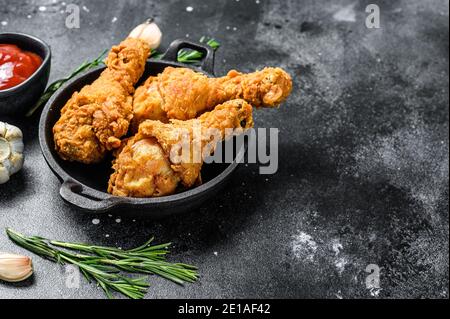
column 146, row 166
column 182, row 94
column 94, row 119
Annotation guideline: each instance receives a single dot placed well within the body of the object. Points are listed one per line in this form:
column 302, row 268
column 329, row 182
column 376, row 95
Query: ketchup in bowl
column 16, row 65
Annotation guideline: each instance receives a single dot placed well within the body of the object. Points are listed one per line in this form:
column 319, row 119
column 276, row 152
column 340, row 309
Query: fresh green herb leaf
column 104, row 264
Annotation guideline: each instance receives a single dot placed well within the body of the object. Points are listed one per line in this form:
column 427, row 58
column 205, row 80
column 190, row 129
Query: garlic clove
column 148, row 32
column 2, row 129
column 16, row 145
column 13, row 132
column 5, row 149
column 6, row 163
column 17, row 161
column 4, row 175
column 11, row 151
column 15, row 268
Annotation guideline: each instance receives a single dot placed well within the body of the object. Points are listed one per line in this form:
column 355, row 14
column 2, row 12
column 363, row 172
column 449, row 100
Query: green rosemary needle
column 104, row 264
column 52, row 88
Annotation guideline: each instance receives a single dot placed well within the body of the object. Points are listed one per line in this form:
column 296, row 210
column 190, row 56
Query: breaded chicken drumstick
column 146, row 166
column 94, row 119
column 182, row 94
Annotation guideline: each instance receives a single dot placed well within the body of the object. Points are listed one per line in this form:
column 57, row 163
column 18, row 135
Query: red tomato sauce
column 16, row 65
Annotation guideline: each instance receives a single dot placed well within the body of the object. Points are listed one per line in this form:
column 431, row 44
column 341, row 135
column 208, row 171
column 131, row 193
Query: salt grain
column 118, row 220
column 4, row 23
column 42, row 8
column 96, row 221
column 189, row 9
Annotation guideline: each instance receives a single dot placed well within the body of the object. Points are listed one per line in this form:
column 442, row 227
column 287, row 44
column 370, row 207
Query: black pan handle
column 207, row 63
column 80, row 196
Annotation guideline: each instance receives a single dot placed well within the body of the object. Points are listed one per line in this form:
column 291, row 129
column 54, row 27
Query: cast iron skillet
column 84, row 186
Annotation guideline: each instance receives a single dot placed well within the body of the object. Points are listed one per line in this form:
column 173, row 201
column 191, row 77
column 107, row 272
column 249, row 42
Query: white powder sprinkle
column 118, row 220
column 346, row 14
column 189, row 9
column 86, row 9
column 336, row 247
column 4, row 23
column 96, row 221
column 216, row 253
column 107, row 235
column 114, row 20
column 340, row 264
column 42, row 8
column 304, row 247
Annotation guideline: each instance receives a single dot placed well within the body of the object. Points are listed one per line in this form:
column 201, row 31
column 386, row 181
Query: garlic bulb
column 15, row 268
column 11, row 151
column 149, row 32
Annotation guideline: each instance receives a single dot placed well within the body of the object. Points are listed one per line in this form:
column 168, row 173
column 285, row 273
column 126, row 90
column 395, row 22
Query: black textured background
column 363, row 175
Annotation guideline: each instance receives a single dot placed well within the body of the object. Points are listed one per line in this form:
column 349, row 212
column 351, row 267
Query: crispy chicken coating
column 182, row 94
column 151, row 163
column 94, row 119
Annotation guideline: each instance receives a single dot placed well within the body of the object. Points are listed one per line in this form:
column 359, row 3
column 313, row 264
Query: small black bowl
column 19, row 99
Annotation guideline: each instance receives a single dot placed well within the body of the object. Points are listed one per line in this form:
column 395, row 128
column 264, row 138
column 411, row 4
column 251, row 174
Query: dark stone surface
column 363, row 175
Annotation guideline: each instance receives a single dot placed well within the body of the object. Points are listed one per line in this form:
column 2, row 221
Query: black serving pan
column 84, row 186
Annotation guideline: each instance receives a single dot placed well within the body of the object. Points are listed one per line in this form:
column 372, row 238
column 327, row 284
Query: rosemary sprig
column 103, row 264
column 52, row 88
column 191, row 56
